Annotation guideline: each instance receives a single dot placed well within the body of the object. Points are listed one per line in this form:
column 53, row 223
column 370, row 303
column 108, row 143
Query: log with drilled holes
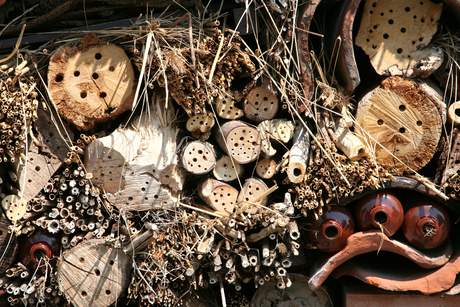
column 198, row 157
column 240, row 141
column 266, row 168
column 252, row 191
column 402, row 123
column 93, row 274
column 90, row 83
column 395, row 35
column 260, row 104
column 219, row 195
column 226, row 169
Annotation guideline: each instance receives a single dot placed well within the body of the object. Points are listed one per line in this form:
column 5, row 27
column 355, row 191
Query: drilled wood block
column 90, row 83
column 93, row 274
column 395, row 33
column 198, row 157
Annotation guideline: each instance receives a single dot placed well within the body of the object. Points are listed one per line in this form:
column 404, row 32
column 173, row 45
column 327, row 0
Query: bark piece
column 252, row 189
column 90, row 83
column 394, row 35
column 427, row 282
column 402, row 123
column 219, row 195
column 198, row 157
column 226, row 170
column 240, row 141
column 299, row 155
column 266, row 168
column 374, row 240
column 260, row 104
column 200, row 125
column 226, row 109
column 93, row 274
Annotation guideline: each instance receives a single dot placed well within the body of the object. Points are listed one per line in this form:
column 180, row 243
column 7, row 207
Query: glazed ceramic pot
column 38, row 245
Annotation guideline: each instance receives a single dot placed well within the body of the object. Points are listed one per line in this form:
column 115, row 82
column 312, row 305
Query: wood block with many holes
column 240, row 141
column 226, row 169
column 252, row 190
column 200, row 125
column 93, row 274
column 226, row 109
column 402, row 123
column 219, row 195
column 198, row 157
column 90, row 83
column 14, row 207
column 260, row 104
column 266, row 168
column 394, row 34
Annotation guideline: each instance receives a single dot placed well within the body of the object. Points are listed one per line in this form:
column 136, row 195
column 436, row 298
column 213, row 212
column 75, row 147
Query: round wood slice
column 260, row 104
column 14, row 207
column 219, row 195
column 8, row 245
column 393, row 33
column 404, row 123
column 200, row 123
column 242, row 140
column 90, row 84
column 93, row 274
column 266, row 168
column 453, row 113
column 198, row 157
column 252, row 189
column 225, row 170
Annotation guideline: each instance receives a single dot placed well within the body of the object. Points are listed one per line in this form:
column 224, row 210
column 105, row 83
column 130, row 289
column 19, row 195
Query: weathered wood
column 226, row 169
column 14, row 207
column 90, row 83
column 350, row 144
column 453, row 113
column 395, row 34
column 277, row 129
column 240, row 141
column 219, row 195
column 266, row 168
column 252, row 189
column 299, row 155
column 402, row 123
column 93, row 274
column 198, row 157
column 260, row 104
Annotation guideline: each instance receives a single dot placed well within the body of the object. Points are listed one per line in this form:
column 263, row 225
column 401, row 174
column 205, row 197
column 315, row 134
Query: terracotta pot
column 381, row 208
column 426, row 225
column 330, row 232
column 38, row 245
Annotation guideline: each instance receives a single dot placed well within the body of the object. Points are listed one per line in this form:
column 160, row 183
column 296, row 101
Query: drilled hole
column 95, row 75
column 111, row 68
column 419, row 123
column 107, row 292
column 98, row 56
column 37, row 168
column 374, row 46
column 83, row 94
column 380, row 122
column 391, row 21
column 97, row 272
column 403, row 30
column 83, row 293
column 386, row 36
column 402, row 108
column 402, row 130
column 59, row 77
column 407, row 9
column 76, row 73
column 102, row 94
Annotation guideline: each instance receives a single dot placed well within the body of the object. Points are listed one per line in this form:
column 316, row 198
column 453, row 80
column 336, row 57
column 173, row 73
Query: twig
column 16, row 48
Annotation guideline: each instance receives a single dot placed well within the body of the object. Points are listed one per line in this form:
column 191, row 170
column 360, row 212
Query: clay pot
column 330, row 232
column 426, row 225
column 381, row 208
column 40, row 244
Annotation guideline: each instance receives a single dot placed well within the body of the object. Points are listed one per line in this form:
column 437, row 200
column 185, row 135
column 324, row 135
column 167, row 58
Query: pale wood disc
column 403, row 121
column 90, row 85
column 198, row 157
column 394, row 32
column 225, row 170
column 260, row 104
column 14, row 207
column 252, row 189
column 93, row 274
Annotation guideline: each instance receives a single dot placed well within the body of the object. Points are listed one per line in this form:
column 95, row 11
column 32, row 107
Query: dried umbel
column 18, row 107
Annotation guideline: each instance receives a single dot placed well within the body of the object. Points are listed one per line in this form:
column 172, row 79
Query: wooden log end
column 226, row 170
column 240, row 141
column 260, row 104
column 219, row 195
column 296, row 171
column 226, row 109
column 200, row 124
column 266, row 168
column 252, row 189
column 198, row 157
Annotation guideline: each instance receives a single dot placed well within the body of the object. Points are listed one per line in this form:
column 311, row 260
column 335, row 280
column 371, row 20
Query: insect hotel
column 229, row 153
